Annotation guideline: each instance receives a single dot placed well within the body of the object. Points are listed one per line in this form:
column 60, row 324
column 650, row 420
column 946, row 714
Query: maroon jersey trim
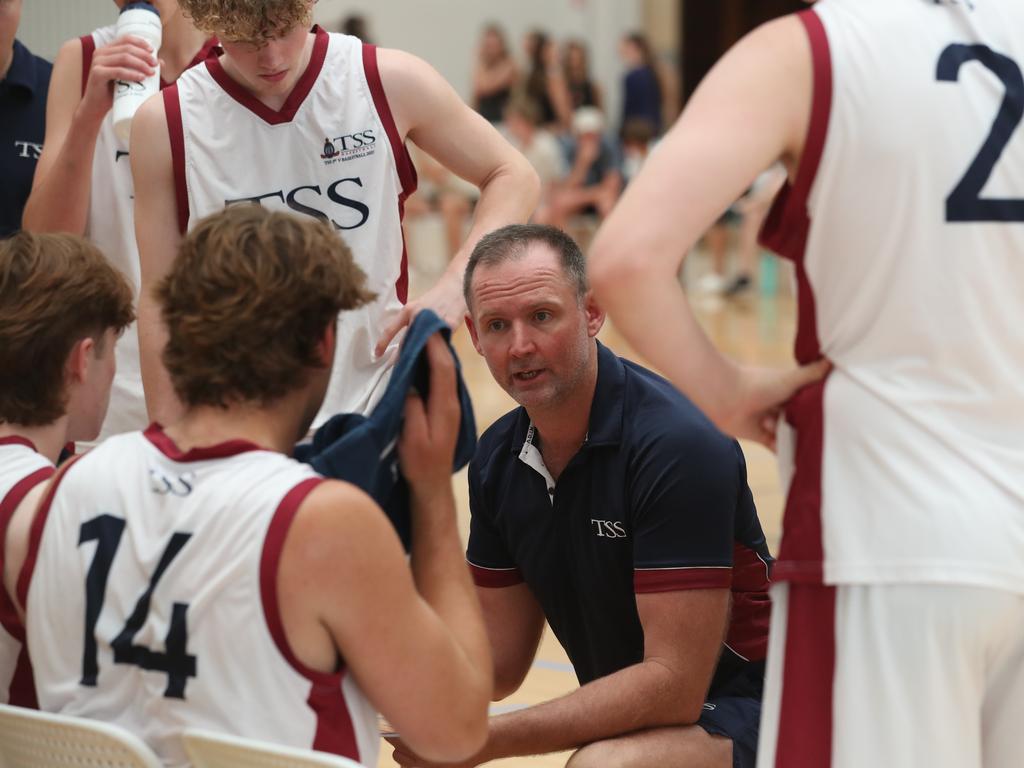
column 403, row 162
column 335, row 732
column 176, row 135
column 36, row 532
column 494, row 578
column 88, row 49
column 156, row 435
column 18, row 440
column 295, row 99
column 650, row 580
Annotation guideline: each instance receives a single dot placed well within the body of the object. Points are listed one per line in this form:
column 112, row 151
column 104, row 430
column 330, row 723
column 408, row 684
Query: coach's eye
column 542, row 316
column 496, row 325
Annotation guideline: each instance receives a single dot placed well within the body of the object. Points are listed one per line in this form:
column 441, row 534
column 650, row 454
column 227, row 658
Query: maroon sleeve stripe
column 88, row 49
column 493, row 578
column 176, row 134
column 36, row 532
column 672, row 579
column 8, row 613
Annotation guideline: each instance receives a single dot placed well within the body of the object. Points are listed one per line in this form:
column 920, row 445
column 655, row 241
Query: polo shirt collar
column 605, row 424
column 23, row 69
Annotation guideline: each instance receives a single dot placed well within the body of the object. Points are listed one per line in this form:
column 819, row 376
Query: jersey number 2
column 965, row 202
column 106, row 531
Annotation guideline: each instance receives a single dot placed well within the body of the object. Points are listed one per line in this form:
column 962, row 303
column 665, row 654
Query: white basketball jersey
column 21, row 469
column 331, row 152
column 153, row 600
column 111, row 228
column 906, row 220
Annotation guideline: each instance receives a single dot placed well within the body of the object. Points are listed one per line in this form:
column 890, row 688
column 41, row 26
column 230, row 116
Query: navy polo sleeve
column 683, row 493
column 487, row 554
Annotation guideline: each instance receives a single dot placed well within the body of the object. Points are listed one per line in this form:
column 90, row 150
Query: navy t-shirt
column 22, row 127
column 655, row 500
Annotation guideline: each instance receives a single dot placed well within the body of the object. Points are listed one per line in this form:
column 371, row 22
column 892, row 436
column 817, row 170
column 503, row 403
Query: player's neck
column 181, row 42
column 275, row 427
column 48, row 439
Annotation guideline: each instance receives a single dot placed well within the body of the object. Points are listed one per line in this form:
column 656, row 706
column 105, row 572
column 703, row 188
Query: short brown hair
column 248, row 20
column 55, row 290
column 247, row 301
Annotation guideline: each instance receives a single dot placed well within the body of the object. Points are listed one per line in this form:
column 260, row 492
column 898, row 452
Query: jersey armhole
column 786, row 227
column 270, row 561
column 403, row 162
column 176, row 135
column 36, row 532
column 8, row 613
column 88, row 49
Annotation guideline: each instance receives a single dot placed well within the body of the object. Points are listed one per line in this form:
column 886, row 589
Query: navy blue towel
column 363, row 450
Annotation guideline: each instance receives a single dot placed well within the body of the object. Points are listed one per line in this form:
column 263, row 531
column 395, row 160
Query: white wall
column 45, row 24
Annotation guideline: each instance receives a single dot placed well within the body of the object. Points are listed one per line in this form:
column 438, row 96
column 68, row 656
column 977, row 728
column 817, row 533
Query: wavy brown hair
column 250, row 21
column 55, row 290
column 247, row 302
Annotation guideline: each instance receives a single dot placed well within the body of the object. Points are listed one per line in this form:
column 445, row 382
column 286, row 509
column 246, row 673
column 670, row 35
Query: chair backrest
column 217, row 750
column 31, row 739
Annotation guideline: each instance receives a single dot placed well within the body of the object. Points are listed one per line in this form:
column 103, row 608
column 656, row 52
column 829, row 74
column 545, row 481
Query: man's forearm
column 644, row 695
column 60, row 200
column 162, row 404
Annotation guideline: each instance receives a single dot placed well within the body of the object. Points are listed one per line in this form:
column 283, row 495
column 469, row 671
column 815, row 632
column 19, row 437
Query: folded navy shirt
column 363, row 450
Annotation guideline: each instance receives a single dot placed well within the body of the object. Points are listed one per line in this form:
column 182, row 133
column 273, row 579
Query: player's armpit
column 16, row 545
column 344, row 584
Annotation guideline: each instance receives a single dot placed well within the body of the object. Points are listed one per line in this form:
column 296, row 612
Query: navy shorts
column 733, row 707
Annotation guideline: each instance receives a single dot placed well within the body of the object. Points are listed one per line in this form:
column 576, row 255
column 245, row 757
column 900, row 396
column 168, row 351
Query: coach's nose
column 522, row 341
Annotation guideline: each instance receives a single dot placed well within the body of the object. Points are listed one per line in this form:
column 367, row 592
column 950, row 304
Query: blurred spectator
column 539, row 146
column 494, row 76
column 355, row 25
column 637, row 138
column 594, row 180
column 641, row 89
column 546, row 84
column 583, row 91
column 441, row 191
column 24, row 80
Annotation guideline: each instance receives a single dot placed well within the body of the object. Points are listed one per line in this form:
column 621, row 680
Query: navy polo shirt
column 655, row 500
column 22, row 127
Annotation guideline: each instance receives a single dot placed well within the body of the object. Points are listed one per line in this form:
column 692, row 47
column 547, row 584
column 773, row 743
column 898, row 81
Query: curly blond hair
column 250, row 21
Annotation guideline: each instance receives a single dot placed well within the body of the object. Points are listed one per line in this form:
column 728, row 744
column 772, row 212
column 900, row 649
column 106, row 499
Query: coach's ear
column 325, row 347
column 472, row 333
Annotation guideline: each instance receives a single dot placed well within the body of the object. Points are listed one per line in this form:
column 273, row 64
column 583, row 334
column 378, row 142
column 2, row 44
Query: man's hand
column 427, row 446
column 406, row 758
column 762, row 393
column 128, row 58
column 445, row 299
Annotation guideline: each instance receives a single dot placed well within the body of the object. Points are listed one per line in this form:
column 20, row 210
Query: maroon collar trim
column 18, row 440
column 163, row 443
column 299, row 92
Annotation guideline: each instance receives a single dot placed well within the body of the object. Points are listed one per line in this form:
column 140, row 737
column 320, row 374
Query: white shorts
column 893, row 676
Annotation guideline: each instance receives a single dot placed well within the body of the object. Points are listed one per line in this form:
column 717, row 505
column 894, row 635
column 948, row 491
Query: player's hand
column 426, row 448
column 128, row 58
column 406, row 758
column 445, row 299
column 762, row 394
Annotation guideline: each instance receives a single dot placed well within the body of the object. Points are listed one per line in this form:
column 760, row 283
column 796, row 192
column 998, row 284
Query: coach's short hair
column 55, row 290
column 510, row 242
column 247, row 301
column 251, row 21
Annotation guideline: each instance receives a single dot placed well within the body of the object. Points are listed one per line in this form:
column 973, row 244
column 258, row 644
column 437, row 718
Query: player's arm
column 429, row 112
column 59, row 201
column 683, row 633
column 705, row 162
column 158, row 237
column 414, row 641
column 17, row 542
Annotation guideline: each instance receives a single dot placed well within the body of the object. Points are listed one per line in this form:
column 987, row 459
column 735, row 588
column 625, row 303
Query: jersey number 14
column 106, row 531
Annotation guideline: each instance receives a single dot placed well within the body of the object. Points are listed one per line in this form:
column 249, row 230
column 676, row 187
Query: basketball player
column 899, row 637
column 231, row 587
column 83, row 179
column 316, row 123
column 61, row 308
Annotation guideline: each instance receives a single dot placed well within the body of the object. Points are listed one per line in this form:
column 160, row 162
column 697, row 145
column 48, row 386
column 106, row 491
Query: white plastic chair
column 217, row 750
column 31, row 739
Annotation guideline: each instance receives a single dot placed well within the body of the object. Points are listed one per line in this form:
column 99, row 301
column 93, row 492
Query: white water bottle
column 139, row 19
